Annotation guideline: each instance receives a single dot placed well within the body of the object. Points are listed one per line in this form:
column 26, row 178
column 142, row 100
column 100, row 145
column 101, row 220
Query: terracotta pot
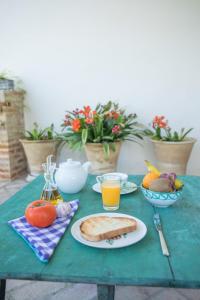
column 36, row 153
column 173, row 156
column 100, row 165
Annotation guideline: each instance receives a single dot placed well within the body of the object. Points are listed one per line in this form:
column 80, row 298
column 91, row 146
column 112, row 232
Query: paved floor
column 35, row 290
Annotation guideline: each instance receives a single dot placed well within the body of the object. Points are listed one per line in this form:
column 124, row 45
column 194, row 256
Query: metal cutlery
column 157, row 223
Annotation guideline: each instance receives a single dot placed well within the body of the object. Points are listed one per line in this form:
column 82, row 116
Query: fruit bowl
column 161, row 199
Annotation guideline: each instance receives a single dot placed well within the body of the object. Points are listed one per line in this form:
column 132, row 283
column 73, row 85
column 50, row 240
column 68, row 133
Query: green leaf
column 120, row 119
column 98, row 107
column 186, row 133
column 30, row 135
column 182, row 132
column 148, row 132
column 97, row 140
column 106, row 150
column 107, row 106
column 98, row 127
column 41, row 134
column 168, row 134
column 108, row 138
column 77, row 145
column 113, row 147
column 138, row 136
column 176, row 137
column 84, row 136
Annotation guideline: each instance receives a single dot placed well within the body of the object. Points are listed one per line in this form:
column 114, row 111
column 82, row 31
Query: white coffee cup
column 123, row 177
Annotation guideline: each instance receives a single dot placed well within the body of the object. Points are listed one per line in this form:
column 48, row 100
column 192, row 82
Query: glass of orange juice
column 110, row 189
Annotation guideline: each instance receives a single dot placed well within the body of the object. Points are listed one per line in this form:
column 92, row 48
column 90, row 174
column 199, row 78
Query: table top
column 138, row 264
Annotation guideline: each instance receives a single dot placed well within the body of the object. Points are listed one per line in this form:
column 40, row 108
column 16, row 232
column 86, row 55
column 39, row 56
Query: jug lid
column 70, row 164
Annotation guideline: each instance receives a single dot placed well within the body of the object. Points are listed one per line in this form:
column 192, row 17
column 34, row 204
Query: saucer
column 127, row 189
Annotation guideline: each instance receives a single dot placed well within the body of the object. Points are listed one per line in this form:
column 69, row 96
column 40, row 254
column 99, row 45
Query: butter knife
column 157, row 223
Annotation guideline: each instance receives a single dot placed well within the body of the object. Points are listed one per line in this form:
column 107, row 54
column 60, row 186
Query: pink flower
column 116, row 129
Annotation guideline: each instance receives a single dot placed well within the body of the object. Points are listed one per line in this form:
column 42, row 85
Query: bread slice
column 102, row 228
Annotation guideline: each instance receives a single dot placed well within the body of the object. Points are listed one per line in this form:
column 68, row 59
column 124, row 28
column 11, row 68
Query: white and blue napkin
column 43, row 241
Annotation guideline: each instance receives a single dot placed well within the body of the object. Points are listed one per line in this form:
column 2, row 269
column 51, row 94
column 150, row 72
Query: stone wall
column 12, row 158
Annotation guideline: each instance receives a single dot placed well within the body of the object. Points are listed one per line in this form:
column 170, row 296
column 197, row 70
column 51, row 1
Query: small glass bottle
column 50, row 191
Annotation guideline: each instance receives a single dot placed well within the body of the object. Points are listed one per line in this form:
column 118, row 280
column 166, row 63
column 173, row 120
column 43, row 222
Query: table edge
column 108, row 281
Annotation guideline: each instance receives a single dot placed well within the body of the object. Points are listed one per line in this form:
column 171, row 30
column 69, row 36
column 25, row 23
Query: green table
column 140, row 264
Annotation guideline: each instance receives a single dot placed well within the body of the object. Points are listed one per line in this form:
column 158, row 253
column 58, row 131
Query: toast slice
column 102, row 228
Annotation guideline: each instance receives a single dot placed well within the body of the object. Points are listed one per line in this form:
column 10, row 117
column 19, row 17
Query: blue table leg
column 2, row 289
column 105, row 292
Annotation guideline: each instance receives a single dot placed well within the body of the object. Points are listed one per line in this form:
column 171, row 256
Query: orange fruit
column 148, row 179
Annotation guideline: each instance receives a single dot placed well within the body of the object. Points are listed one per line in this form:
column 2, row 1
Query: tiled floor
column 35, row 290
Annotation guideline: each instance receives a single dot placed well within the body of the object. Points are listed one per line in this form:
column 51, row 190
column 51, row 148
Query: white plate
column 129, row 188
column 123, row 241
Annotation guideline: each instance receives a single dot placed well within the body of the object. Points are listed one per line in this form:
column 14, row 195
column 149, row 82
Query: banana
column 178, row 183
column 151, row 168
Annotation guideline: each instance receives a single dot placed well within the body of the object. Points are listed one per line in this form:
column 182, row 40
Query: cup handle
column 98, row 179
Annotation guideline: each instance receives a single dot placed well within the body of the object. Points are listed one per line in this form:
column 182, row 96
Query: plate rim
column 121, row 193
column 95, row 245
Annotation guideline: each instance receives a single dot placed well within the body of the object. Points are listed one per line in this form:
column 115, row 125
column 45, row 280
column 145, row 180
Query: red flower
column 115, row 115
column 159, row 122
column 76, row 125
column 86, row 111
column 116, row 129
column 89, row 120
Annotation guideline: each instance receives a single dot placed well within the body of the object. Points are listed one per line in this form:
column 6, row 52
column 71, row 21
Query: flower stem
column 158, row 133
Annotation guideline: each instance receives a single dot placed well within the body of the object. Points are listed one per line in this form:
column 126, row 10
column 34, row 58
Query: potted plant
column 38, row 144
column 172, row 148
column 100, row 132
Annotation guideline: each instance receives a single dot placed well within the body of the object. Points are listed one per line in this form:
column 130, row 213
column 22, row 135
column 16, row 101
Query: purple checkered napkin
column 43, row 241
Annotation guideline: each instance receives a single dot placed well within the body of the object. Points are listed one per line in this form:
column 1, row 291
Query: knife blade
column 157, row 223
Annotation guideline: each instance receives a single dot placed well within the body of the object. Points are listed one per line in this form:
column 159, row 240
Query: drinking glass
column 110, row 189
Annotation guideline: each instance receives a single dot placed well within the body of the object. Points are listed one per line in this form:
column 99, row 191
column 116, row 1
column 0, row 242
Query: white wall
column 144, row 54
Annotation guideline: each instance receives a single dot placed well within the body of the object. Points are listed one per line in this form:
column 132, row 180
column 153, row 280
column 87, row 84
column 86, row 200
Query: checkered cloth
column 43, row 241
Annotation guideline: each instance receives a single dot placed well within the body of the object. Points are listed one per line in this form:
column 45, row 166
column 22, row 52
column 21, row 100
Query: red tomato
column 40, row 213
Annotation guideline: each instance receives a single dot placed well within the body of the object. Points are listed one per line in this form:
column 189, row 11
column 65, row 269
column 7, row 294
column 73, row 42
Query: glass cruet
column 50, row 191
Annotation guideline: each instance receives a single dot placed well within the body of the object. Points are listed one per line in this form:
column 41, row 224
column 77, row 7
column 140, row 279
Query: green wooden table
column 139, row 264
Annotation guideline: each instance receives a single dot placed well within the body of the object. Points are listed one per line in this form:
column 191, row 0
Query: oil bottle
column 50, row 191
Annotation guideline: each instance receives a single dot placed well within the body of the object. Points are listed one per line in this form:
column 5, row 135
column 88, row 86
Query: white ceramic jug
column 71, row 176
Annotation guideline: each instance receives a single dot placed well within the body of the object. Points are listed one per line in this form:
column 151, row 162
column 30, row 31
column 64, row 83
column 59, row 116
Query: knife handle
column 163, row 244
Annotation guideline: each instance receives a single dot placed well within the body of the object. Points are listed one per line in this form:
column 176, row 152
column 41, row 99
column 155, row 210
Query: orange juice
column 110, row 194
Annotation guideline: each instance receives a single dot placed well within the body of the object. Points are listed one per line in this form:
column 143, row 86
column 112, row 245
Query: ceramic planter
column 173, row 156
column 36, row 153
column 100, row 165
